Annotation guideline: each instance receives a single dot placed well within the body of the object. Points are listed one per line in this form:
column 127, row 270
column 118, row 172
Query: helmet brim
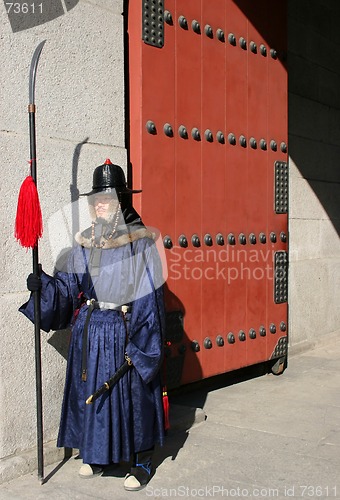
column 118, row 190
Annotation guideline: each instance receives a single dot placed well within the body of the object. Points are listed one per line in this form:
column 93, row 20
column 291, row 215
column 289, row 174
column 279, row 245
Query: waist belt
column 108, row 305
column 94, row 304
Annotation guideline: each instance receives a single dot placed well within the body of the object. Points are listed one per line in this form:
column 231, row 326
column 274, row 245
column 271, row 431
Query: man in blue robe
column 111, row 293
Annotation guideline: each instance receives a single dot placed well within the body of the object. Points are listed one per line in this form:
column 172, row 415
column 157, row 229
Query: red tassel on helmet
column 166, row 409
column 28, row 222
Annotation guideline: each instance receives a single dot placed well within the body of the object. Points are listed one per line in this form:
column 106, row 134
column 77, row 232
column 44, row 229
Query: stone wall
column 80, row 121
column 314, row 147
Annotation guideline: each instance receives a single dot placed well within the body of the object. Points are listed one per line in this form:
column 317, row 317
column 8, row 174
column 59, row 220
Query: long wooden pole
column 36, row 268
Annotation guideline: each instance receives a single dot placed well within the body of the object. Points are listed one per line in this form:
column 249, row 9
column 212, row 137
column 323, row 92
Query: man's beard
column 109, row 215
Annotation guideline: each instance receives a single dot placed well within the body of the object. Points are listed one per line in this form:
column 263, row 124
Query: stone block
column 313, row 299
column 303, row 200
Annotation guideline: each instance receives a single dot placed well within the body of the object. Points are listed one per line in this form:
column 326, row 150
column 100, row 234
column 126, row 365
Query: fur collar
column 84, row 238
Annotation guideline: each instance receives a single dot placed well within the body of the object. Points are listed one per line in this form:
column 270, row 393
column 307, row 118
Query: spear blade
column 33, row 71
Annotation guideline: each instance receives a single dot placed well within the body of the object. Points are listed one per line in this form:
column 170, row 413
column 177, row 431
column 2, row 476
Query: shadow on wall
column 314, row 102
column 313, row 83
column 60, row 340
column 318, row 164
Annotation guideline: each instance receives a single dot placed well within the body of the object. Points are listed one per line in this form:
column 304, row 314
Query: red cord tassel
column 28, row 222
column 166, row 408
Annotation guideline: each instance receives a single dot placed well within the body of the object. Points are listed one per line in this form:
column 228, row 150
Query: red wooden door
column 208, row 146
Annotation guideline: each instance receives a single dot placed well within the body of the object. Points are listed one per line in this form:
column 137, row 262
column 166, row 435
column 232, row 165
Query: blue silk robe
column 129, row 417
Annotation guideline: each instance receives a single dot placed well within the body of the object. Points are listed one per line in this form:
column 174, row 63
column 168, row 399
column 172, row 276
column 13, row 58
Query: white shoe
column 138, row 477
column 88, row 471
column 131, row 483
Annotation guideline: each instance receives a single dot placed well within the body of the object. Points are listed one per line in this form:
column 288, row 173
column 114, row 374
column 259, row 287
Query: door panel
column 208, row 146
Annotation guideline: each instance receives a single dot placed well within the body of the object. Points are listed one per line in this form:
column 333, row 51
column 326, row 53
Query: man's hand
column 34, row 282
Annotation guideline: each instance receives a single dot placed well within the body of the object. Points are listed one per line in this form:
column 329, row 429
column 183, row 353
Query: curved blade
column 33, row 70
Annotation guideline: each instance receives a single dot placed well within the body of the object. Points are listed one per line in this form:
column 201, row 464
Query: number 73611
column 24, row 8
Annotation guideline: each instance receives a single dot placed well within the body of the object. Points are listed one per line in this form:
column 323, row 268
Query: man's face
column 103, row 203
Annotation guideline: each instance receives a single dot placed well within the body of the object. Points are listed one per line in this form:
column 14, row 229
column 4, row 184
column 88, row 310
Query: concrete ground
column 242, row 435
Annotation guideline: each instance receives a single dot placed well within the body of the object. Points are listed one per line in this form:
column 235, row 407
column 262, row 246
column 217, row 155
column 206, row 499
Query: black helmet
column 107, row 177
